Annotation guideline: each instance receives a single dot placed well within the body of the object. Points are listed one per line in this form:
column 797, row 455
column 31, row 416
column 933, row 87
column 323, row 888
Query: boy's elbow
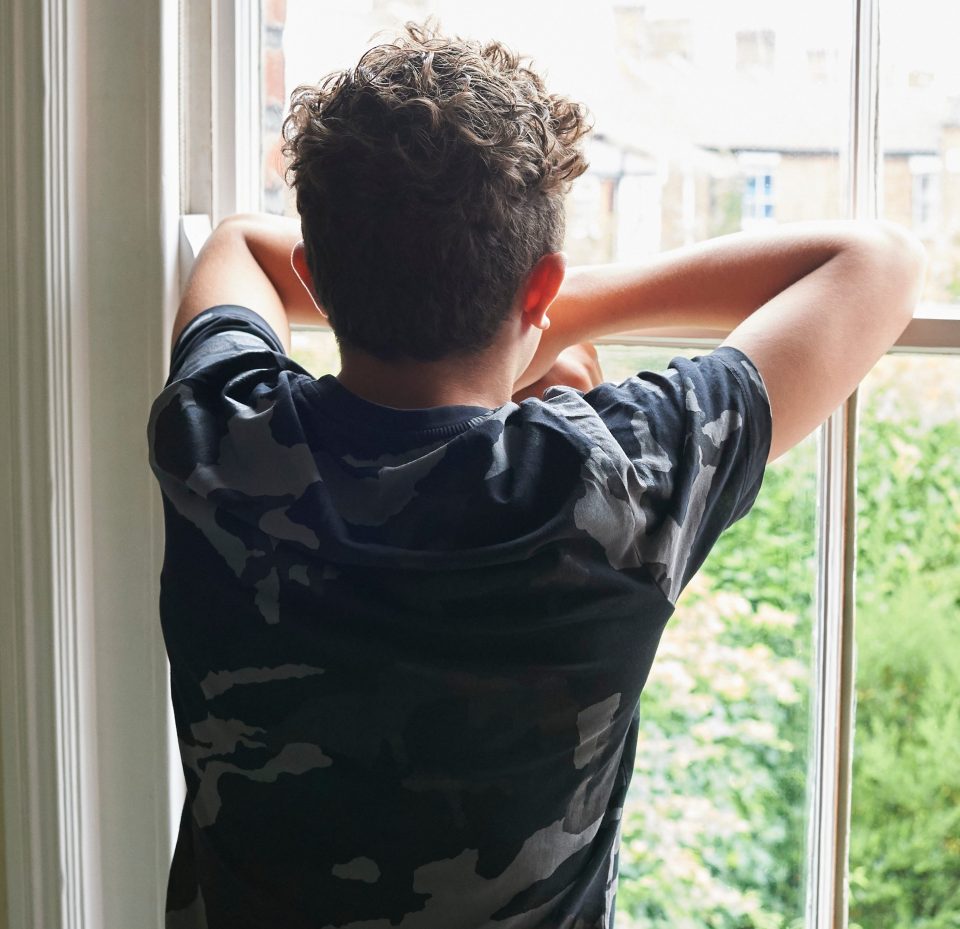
column 900, row 260
column 909, row 257
column 239, row 219
column 904, row 248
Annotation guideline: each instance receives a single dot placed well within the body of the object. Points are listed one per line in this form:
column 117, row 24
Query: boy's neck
column 485, row 379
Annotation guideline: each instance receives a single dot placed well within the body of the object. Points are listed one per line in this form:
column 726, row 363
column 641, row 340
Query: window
column 759, row 188
column 755, row 48
column 706, row 125
column 758, row 198
column 822, row 64
column 925, row 194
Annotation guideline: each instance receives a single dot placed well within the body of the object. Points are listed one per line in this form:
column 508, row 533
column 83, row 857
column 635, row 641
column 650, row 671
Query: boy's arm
column 813, row 305
column 246, row 262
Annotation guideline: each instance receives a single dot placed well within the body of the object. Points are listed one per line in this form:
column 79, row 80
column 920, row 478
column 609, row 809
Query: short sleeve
column 227, row 412
column 697, row 437
column 218, row 334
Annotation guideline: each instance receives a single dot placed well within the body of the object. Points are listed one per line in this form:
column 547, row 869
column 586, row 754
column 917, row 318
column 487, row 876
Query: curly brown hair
column 429, row 180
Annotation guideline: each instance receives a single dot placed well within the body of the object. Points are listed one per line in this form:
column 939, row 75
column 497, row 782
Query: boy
column 408, row 617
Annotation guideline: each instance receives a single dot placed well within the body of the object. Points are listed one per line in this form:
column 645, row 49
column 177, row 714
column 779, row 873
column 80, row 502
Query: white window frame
column 83, row 689
column 220, row 141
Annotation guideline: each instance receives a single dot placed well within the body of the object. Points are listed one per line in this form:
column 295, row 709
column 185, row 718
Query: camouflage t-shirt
column 407, row 646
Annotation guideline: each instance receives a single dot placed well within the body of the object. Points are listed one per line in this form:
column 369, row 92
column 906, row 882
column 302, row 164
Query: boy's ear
column 541, row 287
column 298, row 260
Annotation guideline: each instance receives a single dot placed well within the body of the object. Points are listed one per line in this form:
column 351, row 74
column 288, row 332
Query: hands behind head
column 577, row 366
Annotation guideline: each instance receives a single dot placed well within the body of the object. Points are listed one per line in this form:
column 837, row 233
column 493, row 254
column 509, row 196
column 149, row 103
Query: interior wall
column 88, row 212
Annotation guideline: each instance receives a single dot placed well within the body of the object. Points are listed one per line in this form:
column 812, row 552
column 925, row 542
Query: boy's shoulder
column 652, row 470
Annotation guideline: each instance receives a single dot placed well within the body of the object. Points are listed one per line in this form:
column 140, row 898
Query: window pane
column 920, row 133
column 905, row 829
column 709, row 117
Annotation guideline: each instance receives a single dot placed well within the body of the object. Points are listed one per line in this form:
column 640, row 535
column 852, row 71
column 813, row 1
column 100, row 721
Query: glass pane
column 709, row 118
column 905, row 829
column 920, row 134
column 698, row 106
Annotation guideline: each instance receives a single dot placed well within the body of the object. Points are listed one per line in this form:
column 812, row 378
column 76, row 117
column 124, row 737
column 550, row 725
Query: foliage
column 700, row 846
column 905, row 843
column 905, row 838
column 714, row 832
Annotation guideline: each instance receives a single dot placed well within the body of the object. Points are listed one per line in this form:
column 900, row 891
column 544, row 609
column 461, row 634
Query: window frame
column 79, row 755
column 934, row 329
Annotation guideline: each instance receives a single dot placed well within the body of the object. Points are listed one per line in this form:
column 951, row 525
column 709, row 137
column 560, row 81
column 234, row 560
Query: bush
column 717, row 797
column 905, row 828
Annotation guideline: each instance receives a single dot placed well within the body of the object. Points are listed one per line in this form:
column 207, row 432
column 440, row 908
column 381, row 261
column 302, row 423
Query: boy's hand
column 577, row 366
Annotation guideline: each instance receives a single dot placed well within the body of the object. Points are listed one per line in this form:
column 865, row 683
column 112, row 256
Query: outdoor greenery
column 714, row 835
column 905, row 844
column 714, row 832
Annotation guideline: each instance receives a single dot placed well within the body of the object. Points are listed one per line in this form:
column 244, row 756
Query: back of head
column 429, row 179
